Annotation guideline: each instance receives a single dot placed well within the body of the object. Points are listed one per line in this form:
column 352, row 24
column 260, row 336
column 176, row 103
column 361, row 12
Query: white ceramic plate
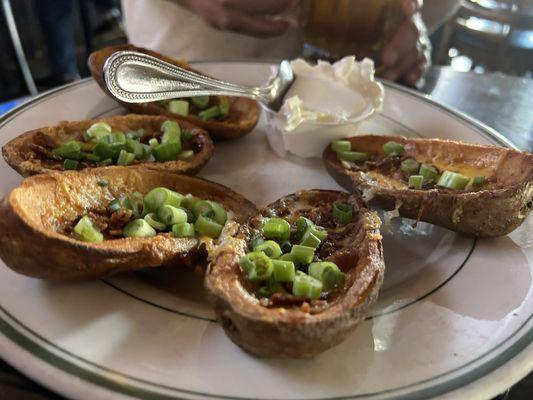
column 454, row 317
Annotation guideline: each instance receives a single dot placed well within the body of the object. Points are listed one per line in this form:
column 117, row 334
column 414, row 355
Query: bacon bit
column 120, row 218
column 115, row 232
column 99, row 220
column 41, row 151
column 285, row 299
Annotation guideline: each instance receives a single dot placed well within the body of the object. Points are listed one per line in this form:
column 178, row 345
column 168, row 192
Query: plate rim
column 471, row 122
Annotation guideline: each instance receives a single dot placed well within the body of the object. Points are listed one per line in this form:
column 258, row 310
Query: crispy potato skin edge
column 13, row 151
column 244, row 113
column 487, row 213
column 31, row 249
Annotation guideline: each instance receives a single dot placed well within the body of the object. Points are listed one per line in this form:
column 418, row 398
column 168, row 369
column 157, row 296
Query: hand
column 408, row 54
column 250, row 17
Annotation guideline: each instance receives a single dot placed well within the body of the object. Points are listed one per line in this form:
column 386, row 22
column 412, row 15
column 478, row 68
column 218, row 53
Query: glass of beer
column 350, row 27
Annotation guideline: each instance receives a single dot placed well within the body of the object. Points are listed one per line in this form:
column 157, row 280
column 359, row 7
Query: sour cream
column 326, row 102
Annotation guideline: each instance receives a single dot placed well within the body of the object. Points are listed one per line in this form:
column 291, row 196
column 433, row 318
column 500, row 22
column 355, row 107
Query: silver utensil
column 134, row 77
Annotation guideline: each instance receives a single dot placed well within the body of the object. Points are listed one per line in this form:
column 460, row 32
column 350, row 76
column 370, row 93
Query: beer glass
column 350, row 27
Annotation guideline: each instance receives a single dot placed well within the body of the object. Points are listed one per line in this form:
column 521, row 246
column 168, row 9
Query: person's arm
column 249, row 17
column 408, row 54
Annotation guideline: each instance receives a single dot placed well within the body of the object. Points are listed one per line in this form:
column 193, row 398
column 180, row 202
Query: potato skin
column 16, row 150
column 244, row 113
column 32, row 215
column 281, row 332
column 493, row 212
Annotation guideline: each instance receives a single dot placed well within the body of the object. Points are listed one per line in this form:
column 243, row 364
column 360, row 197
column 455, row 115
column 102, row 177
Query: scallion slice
column 283, row 271
column 207, row 227
column 183, row 230
column 70, row 165
column 328, row 273
column 200, row 102
column 310, row 240
column 257, row 266
column 179, row 107
column 209, row 113
column 409, row 165
column 303, row 254
column 69, row 150
column 276, row 228
column 478, row 181
column 392, row 148
column 219, row 213
column 429, row 172
column 306, row 286
column 171, row 215
column 453, row 180
column 270, row 248
column 355, row 156
column 152, row 220
column 185, row 155
column 138, row 228
column 341, row 145
column 342, row 212
column 415, row 181
column 160, row 196
column 87, row 231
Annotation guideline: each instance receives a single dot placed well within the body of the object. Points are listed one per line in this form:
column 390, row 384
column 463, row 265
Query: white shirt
column 171, row 29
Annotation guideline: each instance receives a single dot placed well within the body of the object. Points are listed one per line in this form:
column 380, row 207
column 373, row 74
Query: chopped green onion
column 207, row 227
column 290, row 257
column 185, row 155
column 179, row 107
column 303, row 254
column 189, row 201
column 264, row 291
column 167, row 151
column 429, row 172
column 283, row 271
column 171, row 135
column 209, row 113
column 109, row 146
column 276, row 228
column 219, row 214
column 102, row 182
column 355, row 156
column 125, row 158
column 161, row 196
column 452, row 180
column 257, row 266
column 138, row 228
column 70, row 165
column 89, row 157
column 154, row 222
column 286, row 246
column 392, row 149
column 415, row 181
column 135, row 135
column 203, row 207
column 302, row 224
column 171, row 215
column 70, row 150
column 137, row 204
column 183, row 230
column 478, row 181
column 256, row 241
column 223, row 106
column 186, row 135
column 306, row 286
column 135, row 147
column 87, row 231
column 98, row 130
column 200, row 102
column 341, row 145
column 319, row 232
column 170, row 126
column 410, row 165
column 310, row 240
column 270, row 248
column 342, row 212
column 105, row 162
column 328, row 273
column 153, row 142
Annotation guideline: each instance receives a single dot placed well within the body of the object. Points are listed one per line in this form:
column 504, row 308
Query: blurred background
column 483, row 36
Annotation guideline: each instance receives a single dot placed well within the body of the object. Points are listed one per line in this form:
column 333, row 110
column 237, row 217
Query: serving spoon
column 134, row 77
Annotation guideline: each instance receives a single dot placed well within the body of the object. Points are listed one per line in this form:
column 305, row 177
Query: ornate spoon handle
column 135, row 77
